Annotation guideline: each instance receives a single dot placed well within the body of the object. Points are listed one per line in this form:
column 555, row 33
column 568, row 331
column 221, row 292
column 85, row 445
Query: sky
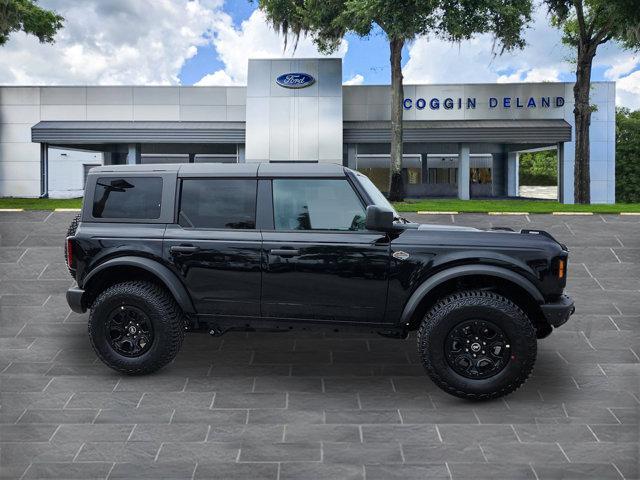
column 208, row 42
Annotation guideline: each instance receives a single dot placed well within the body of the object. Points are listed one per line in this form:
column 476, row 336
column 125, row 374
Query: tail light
column 69, row 253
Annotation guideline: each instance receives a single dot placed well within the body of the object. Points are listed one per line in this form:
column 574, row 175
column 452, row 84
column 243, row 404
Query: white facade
column 283, row 124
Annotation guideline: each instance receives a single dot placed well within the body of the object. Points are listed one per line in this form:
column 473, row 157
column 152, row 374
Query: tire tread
column 467, row 298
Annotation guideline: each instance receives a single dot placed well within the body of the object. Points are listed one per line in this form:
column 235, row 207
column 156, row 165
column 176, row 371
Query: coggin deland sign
column 469, row 103
column 302, row 80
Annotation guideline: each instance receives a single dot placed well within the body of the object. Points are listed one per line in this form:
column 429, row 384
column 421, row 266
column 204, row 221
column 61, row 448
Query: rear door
column 320, row 261
column 215, row 247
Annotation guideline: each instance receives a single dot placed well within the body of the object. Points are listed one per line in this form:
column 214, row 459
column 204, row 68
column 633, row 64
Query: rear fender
column 162, row 273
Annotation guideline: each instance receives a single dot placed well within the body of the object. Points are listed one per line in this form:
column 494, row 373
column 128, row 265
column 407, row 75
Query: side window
column 127, row 197
column 218, row 203
column 316, row 204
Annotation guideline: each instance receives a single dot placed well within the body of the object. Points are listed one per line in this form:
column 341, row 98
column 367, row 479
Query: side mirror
column 379, row 218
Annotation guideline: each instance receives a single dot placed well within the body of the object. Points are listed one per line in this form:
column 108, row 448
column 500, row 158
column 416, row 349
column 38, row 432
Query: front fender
column 166, row 276
column 463, row 271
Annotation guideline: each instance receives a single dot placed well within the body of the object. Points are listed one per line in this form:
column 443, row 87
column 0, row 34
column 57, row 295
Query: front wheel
column 477, row 345
column 136, row 327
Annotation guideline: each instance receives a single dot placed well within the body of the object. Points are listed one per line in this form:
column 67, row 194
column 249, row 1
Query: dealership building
column 460, row 140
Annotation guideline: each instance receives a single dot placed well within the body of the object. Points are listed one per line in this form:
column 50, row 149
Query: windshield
column 375, row 194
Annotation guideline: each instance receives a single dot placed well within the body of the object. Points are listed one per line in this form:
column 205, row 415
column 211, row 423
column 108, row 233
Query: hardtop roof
column 251, row 170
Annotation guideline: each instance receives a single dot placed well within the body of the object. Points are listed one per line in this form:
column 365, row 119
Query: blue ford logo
column 295, row 80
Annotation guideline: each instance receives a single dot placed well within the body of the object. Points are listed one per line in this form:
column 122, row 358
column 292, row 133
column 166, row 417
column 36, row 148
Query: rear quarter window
column 128, row 197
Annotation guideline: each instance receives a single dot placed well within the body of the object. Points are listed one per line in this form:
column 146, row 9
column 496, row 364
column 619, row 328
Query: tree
column 587, row 24
column 28, row 17
column 627, row 156
column 327, row 21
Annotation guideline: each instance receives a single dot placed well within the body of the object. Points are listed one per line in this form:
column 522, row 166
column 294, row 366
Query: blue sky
column 208, row 42
column 368, row 56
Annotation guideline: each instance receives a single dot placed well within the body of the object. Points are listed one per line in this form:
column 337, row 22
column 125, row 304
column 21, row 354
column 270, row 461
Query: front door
column 216, row 249
column 320, row 262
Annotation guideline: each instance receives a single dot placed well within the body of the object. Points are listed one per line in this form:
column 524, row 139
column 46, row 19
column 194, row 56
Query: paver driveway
column 308, row 406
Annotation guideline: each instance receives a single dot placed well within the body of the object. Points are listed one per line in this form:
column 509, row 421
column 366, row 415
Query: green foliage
column 595, row 22
column 28, row 17
column 539, row 168
column 627, row 155
column 327, row 21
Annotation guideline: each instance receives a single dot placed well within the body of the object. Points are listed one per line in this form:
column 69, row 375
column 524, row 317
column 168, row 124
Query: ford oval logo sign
column 295, row 80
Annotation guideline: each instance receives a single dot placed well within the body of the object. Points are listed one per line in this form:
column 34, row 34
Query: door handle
column 284, row 252
column 184, row 249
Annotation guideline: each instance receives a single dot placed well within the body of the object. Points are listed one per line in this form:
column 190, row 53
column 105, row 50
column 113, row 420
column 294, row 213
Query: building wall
column 23, row 107
column 373, row 103
column 286, row 124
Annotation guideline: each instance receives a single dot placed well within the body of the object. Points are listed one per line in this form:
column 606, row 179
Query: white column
column 513, row 166
column 133, row 154
column 463, row 171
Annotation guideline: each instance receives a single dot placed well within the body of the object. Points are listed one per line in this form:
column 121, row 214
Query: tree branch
column 580, row 14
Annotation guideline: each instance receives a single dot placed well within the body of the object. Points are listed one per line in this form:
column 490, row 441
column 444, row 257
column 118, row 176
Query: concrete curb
column 434, row 213
column 11, row 209
column 572, row 213
column 67, row 210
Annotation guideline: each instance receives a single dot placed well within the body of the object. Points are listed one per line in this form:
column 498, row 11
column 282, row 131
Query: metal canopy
column 58, row 132
column 453, row 131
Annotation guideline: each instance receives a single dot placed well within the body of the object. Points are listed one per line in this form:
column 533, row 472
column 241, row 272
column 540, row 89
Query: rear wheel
column 136, row 327
column 477, row 345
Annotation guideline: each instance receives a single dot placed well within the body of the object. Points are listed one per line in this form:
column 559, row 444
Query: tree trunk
column 396, row 184
column 582, row 115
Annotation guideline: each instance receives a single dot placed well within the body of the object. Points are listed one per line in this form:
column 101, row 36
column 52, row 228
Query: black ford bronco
column 163, row 249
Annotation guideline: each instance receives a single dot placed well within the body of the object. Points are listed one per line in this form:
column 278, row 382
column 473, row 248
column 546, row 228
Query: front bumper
column 74, row 299
column 557, row 313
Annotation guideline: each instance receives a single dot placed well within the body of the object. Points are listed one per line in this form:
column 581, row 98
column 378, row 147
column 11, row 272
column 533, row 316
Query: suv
column 163, row 249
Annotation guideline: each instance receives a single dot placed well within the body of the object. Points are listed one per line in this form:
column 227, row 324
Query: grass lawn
column 529, row 206
column 40, row 203
column 431, row 205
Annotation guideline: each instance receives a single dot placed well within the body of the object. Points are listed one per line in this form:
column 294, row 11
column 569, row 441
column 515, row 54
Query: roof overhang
column 58, row 132
column 475, row 131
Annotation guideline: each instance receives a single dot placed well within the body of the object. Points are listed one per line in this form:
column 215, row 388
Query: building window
column 480, row 175
column 414, row 176
column 218, row 203
column 311, row 204
column 127, row 197
column 443, row 175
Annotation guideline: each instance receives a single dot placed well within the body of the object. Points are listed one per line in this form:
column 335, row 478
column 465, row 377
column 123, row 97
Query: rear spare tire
column 477, row 345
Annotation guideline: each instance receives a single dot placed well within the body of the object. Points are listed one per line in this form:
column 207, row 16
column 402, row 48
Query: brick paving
column 348, row 406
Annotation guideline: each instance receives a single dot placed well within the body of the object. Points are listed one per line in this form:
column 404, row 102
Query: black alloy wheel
column 477, row 349
column 129, row 331
column 477, row 344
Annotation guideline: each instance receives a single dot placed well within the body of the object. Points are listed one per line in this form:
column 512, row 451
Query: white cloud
column 357, row 79
column 628, row 91
column 115, row 42
column 531, row 75
column 545, row 58
column 622, row 65
column 436, row 61
column 219, row 77
column 253, row 39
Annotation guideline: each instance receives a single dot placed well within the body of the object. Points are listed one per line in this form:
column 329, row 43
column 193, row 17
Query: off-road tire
column 71, row 231
column 477, row 304
column 164, row 314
